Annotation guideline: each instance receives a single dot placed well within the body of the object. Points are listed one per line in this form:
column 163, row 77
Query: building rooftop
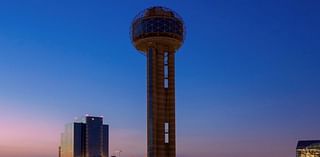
column 308, row 143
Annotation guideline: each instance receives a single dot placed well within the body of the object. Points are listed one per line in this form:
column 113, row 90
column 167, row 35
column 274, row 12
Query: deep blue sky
column 247, row 76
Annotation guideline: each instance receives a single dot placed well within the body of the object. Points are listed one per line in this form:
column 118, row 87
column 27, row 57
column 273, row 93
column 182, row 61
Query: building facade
column 89, row 138
column 309, row 148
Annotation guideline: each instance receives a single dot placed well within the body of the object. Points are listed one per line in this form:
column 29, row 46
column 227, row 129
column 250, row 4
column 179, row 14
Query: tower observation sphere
column 157, row 26
column 158, row 32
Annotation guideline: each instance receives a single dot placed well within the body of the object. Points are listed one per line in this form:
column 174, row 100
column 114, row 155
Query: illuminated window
column 166, row 127
column 166, row 132
column 166, row 138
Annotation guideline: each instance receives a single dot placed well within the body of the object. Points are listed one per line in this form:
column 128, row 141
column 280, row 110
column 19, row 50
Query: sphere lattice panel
column 157, row 25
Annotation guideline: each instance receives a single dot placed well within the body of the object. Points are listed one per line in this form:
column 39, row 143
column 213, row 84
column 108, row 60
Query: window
column 166, row 138
column 166, row 70
column 166, row 132
column 166, row 127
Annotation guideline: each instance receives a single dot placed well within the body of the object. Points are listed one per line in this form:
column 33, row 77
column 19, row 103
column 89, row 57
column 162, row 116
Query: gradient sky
column 247, row 76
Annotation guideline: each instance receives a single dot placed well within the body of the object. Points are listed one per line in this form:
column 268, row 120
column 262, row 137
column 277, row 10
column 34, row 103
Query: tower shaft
column 160, row 103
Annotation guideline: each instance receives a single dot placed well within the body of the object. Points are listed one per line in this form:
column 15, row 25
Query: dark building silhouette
column 59, row 153
column 89, row 138
column 309, row 148
column 158, row 33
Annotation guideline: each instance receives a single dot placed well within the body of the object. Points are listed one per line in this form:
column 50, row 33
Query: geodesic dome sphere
column 157, row 25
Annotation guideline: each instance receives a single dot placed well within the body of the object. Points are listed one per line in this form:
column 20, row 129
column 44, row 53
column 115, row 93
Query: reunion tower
column 158, row 33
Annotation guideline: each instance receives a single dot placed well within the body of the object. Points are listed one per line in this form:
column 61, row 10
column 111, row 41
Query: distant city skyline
column 247, row 76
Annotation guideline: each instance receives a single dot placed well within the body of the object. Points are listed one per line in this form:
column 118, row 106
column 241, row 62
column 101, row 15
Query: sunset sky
column 247, row 76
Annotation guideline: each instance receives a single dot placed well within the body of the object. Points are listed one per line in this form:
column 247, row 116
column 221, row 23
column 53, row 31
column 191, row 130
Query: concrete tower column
column 160, row 103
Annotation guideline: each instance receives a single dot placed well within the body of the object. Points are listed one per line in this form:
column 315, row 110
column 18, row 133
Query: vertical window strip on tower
column 166, row 70
column 166, row 132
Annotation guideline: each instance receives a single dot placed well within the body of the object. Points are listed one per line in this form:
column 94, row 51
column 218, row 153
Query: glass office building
column 89, row 138
column 308, row 148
